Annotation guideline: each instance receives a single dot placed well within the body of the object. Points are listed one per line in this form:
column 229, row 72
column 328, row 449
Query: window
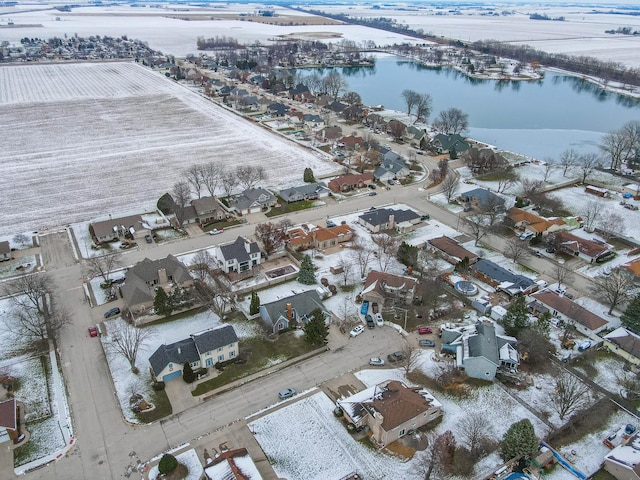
column 171, row 367
column 221, row 358
column 401, row 433
column 220, row 349
column 232, row 353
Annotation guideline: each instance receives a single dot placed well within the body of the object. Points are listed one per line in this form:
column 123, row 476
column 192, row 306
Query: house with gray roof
column 252, row 200
column 207, row 210
column 309, row 191
column 502, row 279
column 202, row 350
column 143, row 279
column 453, row 144
column 293, row 310
column 416, row 135
column 116, row 228
column 383, row 219
column 483, row 199
column 240, row 255
column 391, row 170
column 5, row 251
column 484, row 353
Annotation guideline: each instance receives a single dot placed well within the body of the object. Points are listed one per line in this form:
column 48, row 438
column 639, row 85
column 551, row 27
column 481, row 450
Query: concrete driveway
column 179, row 394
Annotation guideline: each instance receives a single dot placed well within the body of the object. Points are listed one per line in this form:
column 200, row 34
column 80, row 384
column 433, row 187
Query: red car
column 424, row 330
column 93, row 332
column 374, row 307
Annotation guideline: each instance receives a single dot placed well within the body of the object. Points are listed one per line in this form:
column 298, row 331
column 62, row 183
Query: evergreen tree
column 407, row 255
column 520, row 439
column 307, row 275
column 631, row 317
column 462, row 265
column 162, row 304
column 254, row 306
column 543, row 324
column 316, row 330
column 308, row 175
column 516, row 317
column 168, row 464
column 187, row 373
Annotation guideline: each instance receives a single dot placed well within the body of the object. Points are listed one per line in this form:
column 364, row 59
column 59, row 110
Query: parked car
column 586, row 345
column 425, row 217
column 390, row 182
column 374, row 307
column 369, row 319
column 287, row 393
column 526, row 236
column 331, row 223
column 391, row 358
column 216, row 231
column 365, row 307
column 425, row 330
column 148, row 238
column 372, row 194
column 376, row 362
column 93, row 332
column 399, row 355
column 372, row 186
column 427, row 343
column 379, row 320
column 357, row 330
column 110, row 313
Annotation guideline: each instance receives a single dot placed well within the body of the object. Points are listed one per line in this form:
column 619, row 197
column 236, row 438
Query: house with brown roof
column 390, row 410
column 565, row 309
column 530, row 222
column 633, row 267
column 232, row 465
column 451, row 250
column 352, row 142
column 329, row 134
column 589, row 250
column 9, row 421
column 346, row 183
column 301, row 238
column 207, row 210
column 380, row 286
column 624, row 343
column 117, row 228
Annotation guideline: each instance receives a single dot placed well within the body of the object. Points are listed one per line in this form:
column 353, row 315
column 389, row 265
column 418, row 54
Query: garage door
column 171, row 375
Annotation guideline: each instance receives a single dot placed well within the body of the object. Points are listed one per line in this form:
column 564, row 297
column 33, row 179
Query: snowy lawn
column 190, row 460
column 46, row 438
column 20, row 266
column 32, row 384
column 605, row 369
column 101, row 294
column 163, row 333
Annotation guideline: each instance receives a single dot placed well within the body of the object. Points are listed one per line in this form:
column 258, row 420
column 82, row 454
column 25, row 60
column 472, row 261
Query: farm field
column 82, row 140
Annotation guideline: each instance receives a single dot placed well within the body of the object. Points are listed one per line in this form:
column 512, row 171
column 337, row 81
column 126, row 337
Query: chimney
column 247, row 245
column 163, row 279
column 179, row 350
column 392, row 222
column 289, row 312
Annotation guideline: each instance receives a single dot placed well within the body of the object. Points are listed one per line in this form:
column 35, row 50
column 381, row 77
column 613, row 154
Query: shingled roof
column 178, row 353
column 214, row 338
column 570, row 309
column 381, row 216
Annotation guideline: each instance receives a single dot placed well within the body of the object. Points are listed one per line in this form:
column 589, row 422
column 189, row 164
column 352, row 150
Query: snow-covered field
column 164, row 333
column 93, row 139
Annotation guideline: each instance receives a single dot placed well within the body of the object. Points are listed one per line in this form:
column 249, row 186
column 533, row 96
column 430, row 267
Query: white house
column 202, row 350
column 238, row 256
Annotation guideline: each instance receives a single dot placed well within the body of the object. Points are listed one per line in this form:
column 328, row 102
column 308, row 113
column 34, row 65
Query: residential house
column 307, row 97
column 623, row 462
column 202, row 350
column 375, row 121
column 390, row 410
column 391, row 169
column 396, row 128
column 352, row 142
column 484, row 353
column 633, row 267
column 5, row 251
column 313, row 122
column 383, row 219
column 293, row 310
column 624, row 343
column 277, row 109
column 295, row 117
column 416, row 136
column 320, row 238
column 354, row 113
column 239, row 256
column 336, row 106
column 452, row 144
column 252, row 200
column 530, row 222
column 380, row 286
column 9, row 421
column 143, row 279
column 482, row 199
column 451, row 250
column 207, row 210
column 346, row 183
column 588, row 250
column 503, row 279
column 234, row 464
column 309, row 191
column 329, row 134
column 584, row 320
column 116, row 228
column 295, row 93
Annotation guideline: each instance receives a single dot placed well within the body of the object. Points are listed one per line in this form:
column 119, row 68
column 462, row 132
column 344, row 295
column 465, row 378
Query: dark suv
column 370, row 322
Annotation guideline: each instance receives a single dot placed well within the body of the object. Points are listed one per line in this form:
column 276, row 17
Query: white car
column 376, row 362
column 357, row 330
column 379, row 320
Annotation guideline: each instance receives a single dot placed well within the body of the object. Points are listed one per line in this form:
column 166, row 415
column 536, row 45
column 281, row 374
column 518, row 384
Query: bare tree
column 193, row 176
column 516, row 249
column 474, row 429
column 590, row 213
column 202, row 264
column 569, row 395
column 478, row 226
column 181, row 195
column 411, row 357
column 271, row 235
column 547, row 168
column 127, row 340
column 31, row 291
column 361, row 255
column 333, row 83
column 530, row 187
column 506, row 178
column 410, row 98
column 614, row 146
column 611, row 225
column 352, row 98
column 443, row 166
column 568, row 159
column 250, row 176
column 103, row 266
column 452, row 121
column 346, row 265
column 27, row 324
column 615, row 288
column 387, row 247
column 423, row 107
column 211, row 173
column 396, row 129
column 229, row 182
column 436, row 460
column 215, row 294
column 562, row 275
column 587, row 164
column 449, row 187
